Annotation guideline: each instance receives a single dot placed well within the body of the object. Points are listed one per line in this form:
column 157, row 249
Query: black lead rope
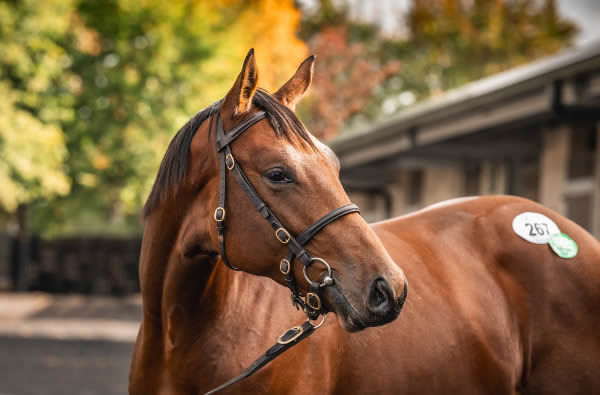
column 311, row 303
column 286, row 341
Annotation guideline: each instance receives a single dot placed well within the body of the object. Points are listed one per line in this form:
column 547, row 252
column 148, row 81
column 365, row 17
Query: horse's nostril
column 378, row 302
column 378, row 296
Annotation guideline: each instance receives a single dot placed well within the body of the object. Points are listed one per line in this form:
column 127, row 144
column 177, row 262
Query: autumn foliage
column 344, row 80
column 93, row 91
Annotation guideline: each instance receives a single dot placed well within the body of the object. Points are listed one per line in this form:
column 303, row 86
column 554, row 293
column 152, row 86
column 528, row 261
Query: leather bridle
column 311, row 303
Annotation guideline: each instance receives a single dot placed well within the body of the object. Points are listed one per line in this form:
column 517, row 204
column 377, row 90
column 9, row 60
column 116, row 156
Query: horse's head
column 298, row 179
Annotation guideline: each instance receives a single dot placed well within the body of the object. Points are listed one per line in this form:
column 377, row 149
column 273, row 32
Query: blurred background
column 421, row 100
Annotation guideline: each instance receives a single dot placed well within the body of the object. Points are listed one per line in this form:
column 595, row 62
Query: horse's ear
column 239, row 98
column 292, row 91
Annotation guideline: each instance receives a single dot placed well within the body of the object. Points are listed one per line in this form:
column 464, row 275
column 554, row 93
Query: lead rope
column 287, row 340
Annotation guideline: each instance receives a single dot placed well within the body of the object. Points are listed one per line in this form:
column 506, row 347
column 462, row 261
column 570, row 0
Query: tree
column 452, row 42
column 348, row 70
column 31, row 155
column 447, row 43
column 118, row 79
column 33, row 87
column 344, row 81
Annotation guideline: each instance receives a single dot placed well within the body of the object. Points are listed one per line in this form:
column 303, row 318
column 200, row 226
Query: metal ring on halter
column 320, row 323
column 327, row 280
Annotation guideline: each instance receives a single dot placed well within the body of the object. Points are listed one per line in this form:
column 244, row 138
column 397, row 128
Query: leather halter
column 311, row 304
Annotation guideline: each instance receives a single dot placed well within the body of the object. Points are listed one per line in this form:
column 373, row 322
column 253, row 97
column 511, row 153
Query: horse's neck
column 197, row 313
column 230, row 299
column 184, row 302
column 165, row 279
column 160, row 233
column 203, row 292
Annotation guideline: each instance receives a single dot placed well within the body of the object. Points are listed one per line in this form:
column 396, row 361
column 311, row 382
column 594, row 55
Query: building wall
column 442, row 183
column 553, row 167
column 400, row 205
column 372, row 205
column 581, row 184
column 492, row 178
column 564, row 177
column 596, row 204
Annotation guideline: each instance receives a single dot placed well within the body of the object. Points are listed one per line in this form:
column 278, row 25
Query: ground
column 66, row 345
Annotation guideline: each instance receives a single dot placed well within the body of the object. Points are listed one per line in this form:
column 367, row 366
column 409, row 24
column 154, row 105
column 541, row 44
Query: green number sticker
column 563, row 245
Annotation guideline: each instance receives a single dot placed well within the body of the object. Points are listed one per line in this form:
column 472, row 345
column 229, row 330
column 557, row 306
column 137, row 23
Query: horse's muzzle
column 381, row 306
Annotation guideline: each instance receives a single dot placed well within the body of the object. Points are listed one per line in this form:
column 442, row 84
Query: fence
column 90, row 265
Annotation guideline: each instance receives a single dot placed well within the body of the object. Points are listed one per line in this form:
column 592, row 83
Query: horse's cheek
column 176, row 319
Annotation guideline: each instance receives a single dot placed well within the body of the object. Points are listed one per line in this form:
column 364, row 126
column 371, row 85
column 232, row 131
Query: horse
column 489, row 310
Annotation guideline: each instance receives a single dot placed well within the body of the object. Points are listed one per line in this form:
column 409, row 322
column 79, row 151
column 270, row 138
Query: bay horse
column 488, row 313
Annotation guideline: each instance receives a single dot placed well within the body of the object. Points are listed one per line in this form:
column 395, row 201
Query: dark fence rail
column 90, row 265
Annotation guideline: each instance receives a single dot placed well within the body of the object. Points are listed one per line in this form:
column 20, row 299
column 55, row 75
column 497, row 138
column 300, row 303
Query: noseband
column 311, row 303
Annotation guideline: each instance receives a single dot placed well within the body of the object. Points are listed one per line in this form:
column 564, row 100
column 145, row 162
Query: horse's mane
column 174, row 164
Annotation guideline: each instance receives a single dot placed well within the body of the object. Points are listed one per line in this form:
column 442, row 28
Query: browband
column 228, row 138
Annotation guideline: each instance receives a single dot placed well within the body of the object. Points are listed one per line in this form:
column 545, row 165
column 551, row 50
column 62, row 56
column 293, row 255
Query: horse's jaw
column 346, row 313
column 349, row 313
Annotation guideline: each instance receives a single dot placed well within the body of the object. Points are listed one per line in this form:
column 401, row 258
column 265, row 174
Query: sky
column 586, row 13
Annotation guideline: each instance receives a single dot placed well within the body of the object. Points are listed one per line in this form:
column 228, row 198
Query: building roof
column 520, row 92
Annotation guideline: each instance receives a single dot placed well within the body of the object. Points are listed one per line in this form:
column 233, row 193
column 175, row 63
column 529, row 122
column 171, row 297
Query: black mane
column 174, row 164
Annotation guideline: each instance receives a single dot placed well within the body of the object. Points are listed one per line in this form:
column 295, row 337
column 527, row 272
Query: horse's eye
column 278, row 176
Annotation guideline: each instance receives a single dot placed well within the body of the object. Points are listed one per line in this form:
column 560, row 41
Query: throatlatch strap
column 286, row 341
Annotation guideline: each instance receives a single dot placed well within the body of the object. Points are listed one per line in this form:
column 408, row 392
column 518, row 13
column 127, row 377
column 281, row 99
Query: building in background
column 531, row 131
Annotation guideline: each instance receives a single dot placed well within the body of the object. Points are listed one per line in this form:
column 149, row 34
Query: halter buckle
column 290, row 335
column 286, row 236
column 229, row 161
column 219, row 214
column 313, row 301
column 285, row 266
